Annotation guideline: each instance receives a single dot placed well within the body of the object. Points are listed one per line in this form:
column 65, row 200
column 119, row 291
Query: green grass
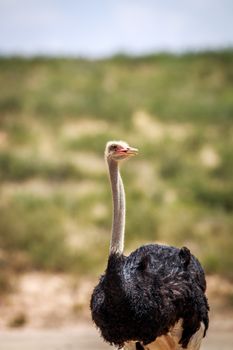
column 15, row 168
column 172, row 107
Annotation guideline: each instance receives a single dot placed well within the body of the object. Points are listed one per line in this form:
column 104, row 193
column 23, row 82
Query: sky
column 96, row 28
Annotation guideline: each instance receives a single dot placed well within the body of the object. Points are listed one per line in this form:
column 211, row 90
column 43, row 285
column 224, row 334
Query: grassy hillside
column 55, row 117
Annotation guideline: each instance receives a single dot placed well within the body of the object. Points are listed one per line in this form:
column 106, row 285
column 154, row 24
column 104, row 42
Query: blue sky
column 98, row 28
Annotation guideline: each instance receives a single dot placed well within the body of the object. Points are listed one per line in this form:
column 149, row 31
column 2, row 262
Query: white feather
column 171, row 340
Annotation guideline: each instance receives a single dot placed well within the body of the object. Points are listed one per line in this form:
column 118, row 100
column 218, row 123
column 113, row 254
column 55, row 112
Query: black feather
column 140, row 297
column 139, row 346
column 185, row 256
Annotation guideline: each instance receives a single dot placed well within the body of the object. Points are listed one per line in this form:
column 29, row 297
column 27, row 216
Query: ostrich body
column 155, row 297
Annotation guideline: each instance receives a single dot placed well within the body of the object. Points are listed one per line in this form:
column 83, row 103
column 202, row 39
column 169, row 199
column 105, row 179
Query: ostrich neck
column 118, row 196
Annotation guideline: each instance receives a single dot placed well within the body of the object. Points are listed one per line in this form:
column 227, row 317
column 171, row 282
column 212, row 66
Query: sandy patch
column 3, row 140
column 88, row 162
column 155, row 130
column 42, row 188
column 83, row 127
column 209, row 157
column 46, row 300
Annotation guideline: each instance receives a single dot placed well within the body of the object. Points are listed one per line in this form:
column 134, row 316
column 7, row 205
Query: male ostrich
column 155, row 297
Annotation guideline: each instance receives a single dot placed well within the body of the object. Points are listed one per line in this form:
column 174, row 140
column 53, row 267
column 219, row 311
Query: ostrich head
column 119, row 150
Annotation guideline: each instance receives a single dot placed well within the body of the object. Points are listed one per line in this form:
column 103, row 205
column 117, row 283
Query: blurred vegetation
column 55, row 117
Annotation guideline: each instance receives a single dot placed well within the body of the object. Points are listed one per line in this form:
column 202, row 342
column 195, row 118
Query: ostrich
column 155, row 297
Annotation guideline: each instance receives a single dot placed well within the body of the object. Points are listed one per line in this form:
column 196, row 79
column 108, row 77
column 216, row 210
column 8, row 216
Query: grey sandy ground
column 85, row 337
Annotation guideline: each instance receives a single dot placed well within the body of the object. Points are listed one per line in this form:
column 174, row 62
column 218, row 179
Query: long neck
column 118, row 196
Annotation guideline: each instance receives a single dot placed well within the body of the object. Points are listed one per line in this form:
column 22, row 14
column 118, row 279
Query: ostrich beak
column 129, row 151
column 132, row 151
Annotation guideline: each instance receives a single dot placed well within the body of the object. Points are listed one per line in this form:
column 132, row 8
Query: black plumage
column 143, row 295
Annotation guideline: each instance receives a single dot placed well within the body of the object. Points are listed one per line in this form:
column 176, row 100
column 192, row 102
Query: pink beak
column 129, row 151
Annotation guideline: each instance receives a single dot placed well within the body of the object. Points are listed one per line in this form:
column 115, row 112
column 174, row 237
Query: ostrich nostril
column 139, row 346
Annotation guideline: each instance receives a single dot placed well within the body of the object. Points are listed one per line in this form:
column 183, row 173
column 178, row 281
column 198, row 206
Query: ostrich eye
column 113, row 148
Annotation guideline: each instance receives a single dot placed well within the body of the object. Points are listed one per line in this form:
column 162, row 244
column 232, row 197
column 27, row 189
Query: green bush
column 16, row 168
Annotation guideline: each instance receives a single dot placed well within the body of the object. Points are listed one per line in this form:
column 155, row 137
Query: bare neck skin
column 118, row 196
